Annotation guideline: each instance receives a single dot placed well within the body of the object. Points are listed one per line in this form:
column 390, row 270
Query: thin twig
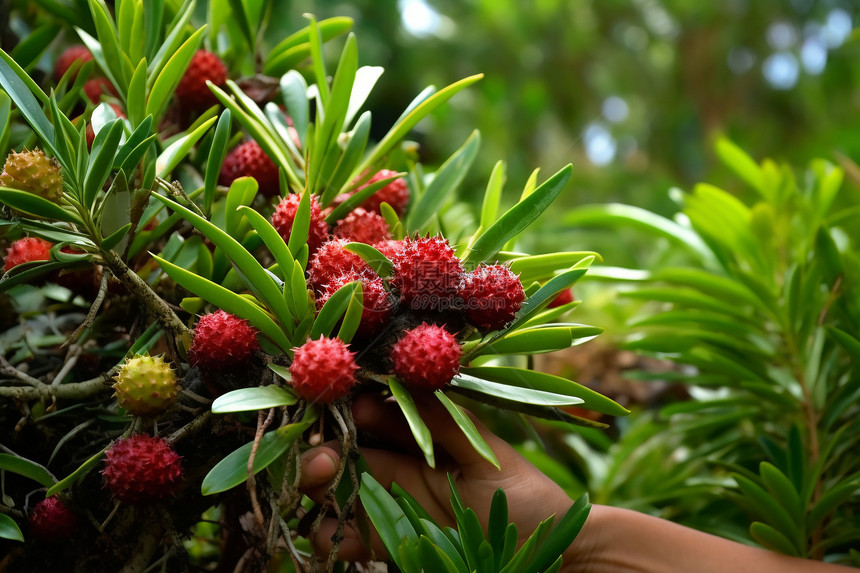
column 94, row 309
column 191, row 428
column 72, row 356
column 9, row 370
column 262, row 424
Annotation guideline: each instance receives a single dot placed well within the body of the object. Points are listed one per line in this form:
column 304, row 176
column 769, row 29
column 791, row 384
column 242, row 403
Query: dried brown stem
column 91, row 315
column 262, row 424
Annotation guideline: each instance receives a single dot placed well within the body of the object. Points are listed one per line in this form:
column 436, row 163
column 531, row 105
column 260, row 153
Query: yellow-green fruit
column 146, row 386
column 35, row 172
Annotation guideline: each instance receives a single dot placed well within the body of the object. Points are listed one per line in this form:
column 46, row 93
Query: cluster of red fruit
column 410, row 321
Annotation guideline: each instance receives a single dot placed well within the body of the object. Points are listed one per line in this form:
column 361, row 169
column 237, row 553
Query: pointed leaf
column 376, row 260
column 27, row 468
column 70, row 479
column 513, row 393
column 333, row 310
column 517, row 218
column 9, row 529
column 469, row 430
column 419, row 429
column 259, row 398
column 35, row 205
column 387, row 517
column 233, row 470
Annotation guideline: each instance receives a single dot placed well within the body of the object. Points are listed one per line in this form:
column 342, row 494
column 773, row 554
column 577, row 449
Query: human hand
column 532, row 496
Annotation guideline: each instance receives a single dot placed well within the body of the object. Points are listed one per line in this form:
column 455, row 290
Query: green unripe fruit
column 34, row 172
column 146, row 386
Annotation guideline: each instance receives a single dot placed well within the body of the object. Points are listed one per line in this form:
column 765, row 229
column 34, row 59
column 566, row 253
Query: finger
column 319, row 467
column 351, row 548
column 384, row 419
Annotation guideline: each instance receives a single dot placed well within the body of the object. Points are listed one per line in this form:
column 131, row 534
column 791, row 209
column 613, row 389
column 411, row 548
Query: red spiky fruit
column 27, row 250
column 330, row 261
column 395, row 193
column 249, row 160
column 141, row 469
column 323, row 370
column 390, row 247
column 95, row 87
column 426, row 357
column 377, row 302
column 68, row 57
column 363, row 226
column 562, row 298
column 427, row 274
column 222, row 341
column 285, row 215
column 491, row 296
column 52, row 520
column 191, row 91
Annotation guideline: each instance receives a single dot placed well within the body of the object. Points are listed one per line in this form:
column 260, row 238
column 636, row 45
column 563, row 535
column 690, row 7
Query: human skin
column 613, row 540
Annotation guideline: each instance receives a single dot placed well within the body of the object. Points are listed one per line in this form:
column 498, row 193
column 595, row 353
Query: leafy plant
column 761, row 311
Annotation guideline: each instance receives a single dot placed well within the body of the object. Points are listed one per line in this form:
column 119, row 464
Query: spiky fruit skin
column 191, row 91
column 323, row 370
column 562, row 298
column 34, row 172
column 142, row 469
column 426, row 357
column 146, row 386
column 285, row 215
column 390, row 247
column 491, row 296
column 378, row 303
column 395, row 193
column 222, row 341
column 249, row 160
column 72, row 53
column 363, row 226
column 330, row 261
column 52, row 520
column 427, row 274
column 95, row 87
column 26, row 250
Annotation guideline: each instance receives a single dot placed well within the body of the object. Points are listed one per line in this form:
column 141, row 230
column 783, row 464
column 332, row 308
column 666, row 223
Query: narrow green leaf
column 27, row 468
column 616, row 214
column 405, row 125
column 24, row 92
column 301, row 224
column 517, row 218
column 433, row 558
column 376, row 260
column 171, row 157
column 830, row 500
column 283, row 56
column 781, row 488
column 233, row 470
column 228, row 301
column 70, row 479
column 153, row 15
column 333, row 309
column 352, row 316
column 271, row 238
column 387, row 517
column 259, row 398
column 9, row 529
column 168, row 77
column 493, row 195
column 742, row 164
column 294, row 91
column 170, row 44
column 252, row 273
column 357, row 198
column 447, row 178
column 496, row 526
column 108, row 53
column 772, row 539
column 562, row 535
column 469, row 430
column 768, row 508
column 513, row 393
column 28, row 50
column 538, row 340
column 419, row 429
column 536, row 302
column 36, row 206
column 105, row 146
column 217, row 153
column 350, row 157
column 541, row 381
